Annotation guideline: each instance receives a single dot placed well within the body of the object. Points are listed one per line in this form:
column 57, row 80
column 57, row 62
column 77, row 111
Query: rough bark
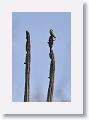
column 27, row 68
column 51, row 72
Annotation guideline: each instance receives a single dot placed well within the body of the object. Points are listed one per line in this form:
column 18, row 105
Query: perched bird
column 52, row 33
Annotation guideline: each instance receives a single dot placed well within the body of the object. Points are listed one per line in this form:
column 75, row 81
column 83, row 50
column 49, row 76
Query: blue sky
column 38, row 24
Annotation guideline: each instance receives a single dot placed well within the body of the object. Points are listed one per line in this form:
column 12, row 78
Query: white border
column 76, row 9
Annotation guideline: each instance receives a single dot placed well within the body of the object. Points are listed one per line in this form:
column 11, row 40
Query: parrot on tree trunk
column 52, row 33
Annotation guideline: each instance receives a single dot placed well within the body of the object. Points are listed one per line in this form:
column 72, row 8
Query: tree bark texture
column 51, row 72
column 27, row 68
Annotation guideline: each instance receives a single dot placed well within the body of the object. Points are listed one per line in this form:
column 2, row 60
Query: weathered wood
column 27, row 69
column 51, row 72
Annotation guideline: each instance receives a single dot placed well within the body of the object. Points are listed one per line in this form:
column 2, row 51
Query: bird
column 52, row 33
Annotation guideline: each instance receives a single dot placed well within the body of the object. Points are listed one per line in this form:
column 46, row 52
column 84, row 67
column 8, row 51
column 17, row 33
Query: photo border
column 76, row 104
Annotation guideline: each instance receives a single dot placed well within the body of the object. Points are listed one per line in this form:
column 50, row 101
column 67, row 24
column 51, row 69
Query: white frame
column 76, row 104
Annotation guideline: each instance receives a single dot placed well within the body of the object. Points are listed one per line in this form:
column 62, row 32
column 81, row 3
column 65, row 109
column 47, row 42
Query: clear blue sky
column 38, row 24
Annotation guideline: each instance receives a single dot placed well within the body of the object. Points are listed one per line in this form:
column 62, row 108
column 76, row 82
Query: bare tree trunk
column 51, row 73
column 27, row 69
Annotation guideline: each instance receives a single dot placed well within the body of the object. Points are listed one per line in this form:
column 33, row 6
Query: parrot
column 52, row 33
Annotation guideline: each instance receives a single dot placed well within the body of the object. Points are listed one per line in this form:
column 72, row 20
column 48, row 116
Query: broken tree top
column 27, row 34
column 28, row 41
